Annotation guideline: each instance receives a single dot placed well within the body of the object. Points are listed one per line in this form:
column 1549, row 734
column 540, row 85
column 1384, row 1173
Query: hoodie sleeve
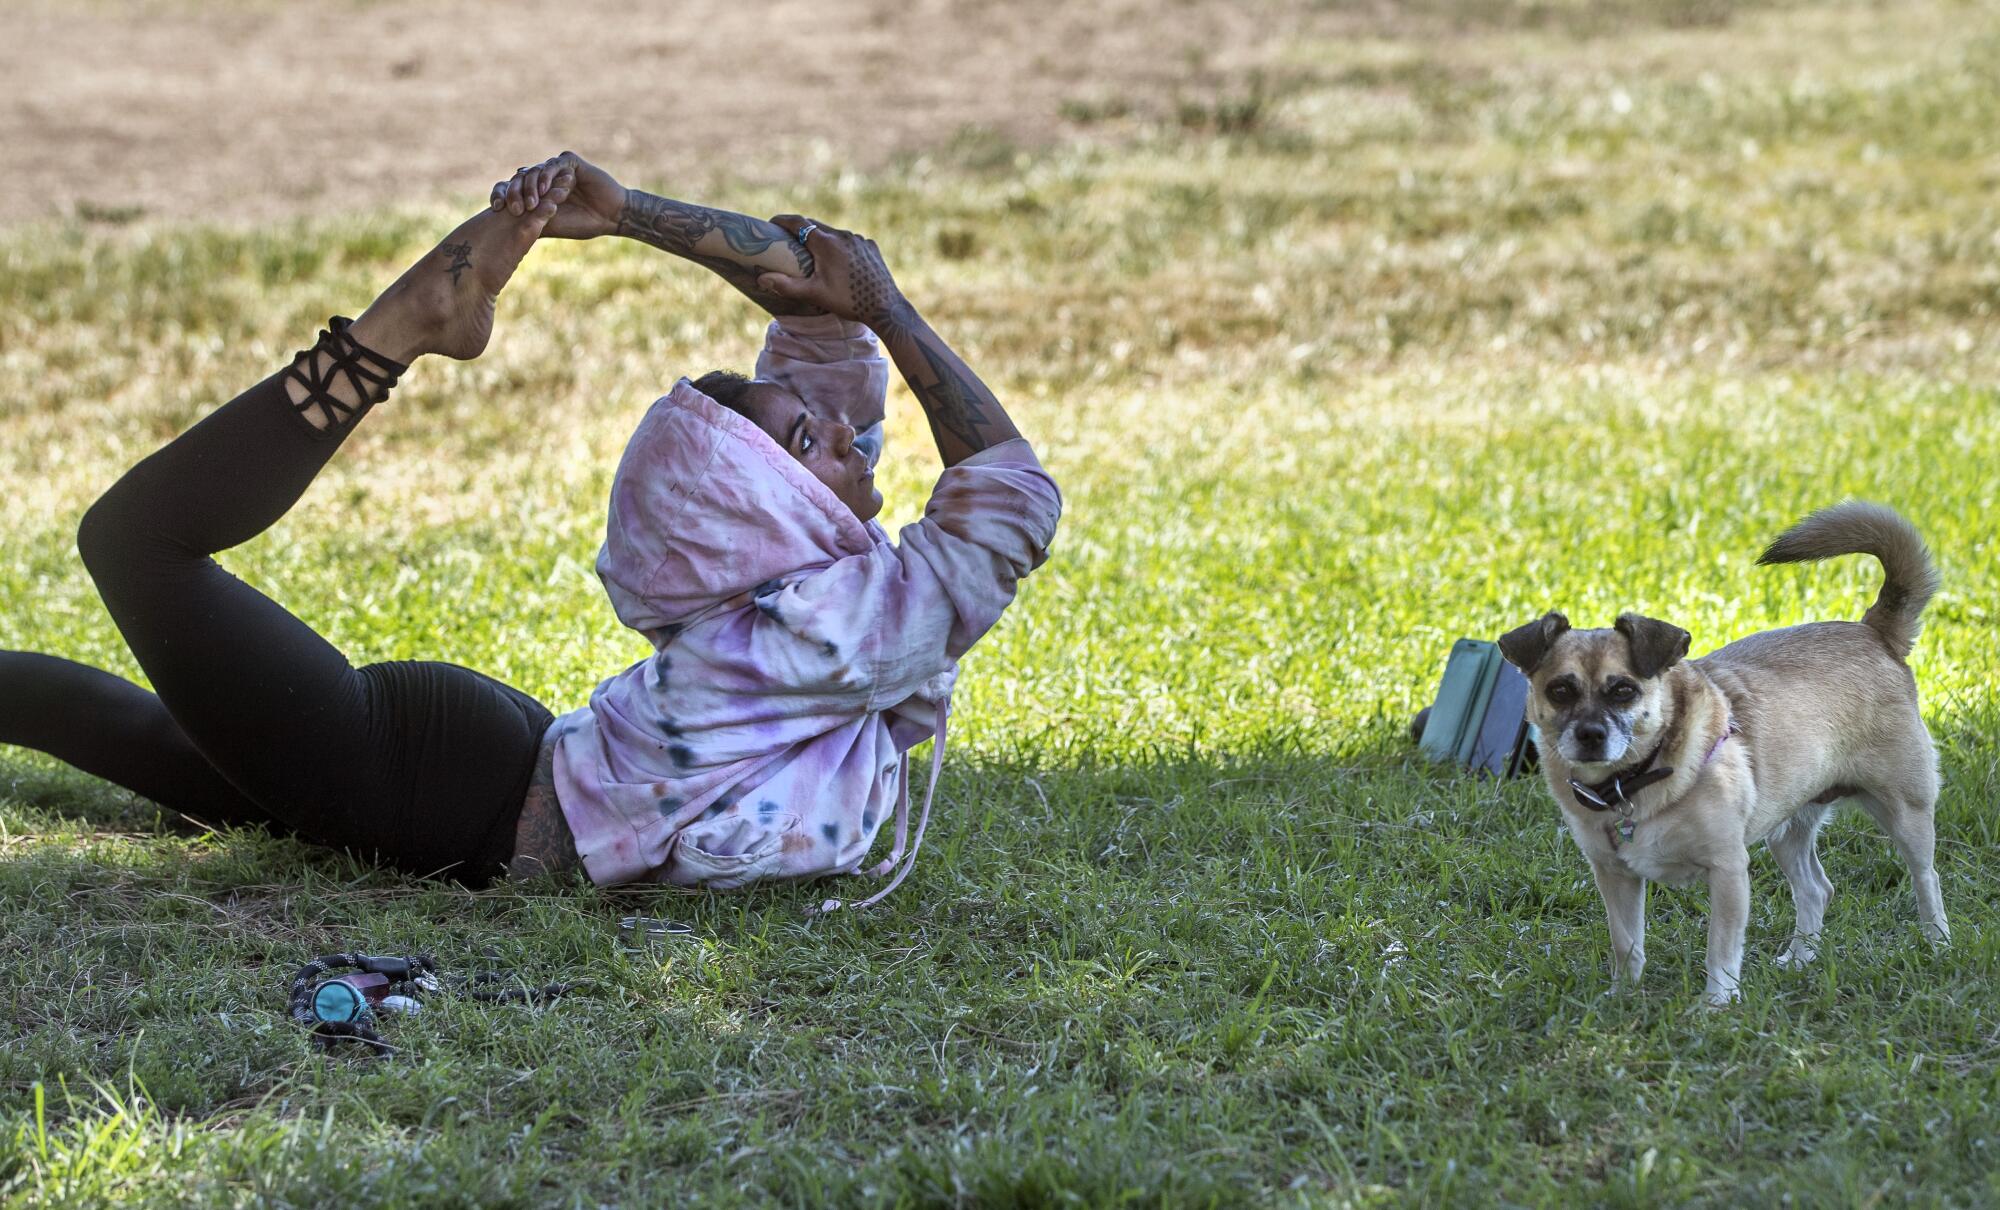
column 836, row 365
column 900, row 614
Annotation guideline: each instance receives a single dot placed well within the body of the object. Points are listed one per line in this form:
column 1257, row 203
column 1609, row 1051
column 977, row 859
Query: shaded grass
column 1437, row 337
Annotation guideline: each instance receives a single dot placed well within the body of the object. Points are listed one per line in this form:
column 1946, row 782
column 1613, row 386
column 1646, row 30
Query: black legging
column 258, row 719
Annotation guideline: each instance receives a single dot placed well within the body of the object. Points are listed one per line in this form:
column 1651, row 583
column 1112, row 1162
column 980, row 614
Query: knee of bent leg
column 123, row 538
column 103, row 536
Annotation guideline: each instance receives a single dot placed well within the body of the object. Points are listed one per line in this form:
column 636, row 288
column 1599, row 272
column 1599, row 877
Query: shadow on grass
column 1286, row 812
column 1213, row 972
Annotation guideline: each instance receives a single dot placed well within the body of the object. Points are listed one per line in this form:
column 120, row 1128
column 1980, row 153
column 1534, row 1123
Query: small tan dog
column 1668, row 770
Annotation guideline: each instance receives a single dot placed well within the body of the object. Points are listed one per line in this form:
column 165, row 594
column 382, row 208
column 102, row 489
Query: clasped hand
column 596, row 200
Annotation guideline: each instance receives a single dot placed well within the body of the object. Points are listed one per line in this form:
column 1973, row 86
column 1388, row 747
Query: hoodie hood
column 706, row 507
column 837, row 365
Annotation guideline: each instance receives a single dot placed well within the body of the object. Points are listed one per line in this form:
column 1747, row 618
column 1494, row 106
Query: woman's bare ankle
column 414, row 315
column 392, row 332
column 444, row 303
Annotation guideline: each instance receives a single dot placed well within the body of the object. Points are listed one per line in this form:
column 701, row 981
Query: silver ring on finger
column 805, row 231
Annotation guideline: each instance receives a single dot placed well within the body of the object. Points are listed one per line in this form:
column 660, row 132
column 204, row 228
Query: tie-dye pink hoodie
column 798, row 653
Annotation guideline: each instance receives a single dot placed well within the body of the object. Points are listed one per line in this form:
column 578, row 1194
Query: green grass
column 1431, row 334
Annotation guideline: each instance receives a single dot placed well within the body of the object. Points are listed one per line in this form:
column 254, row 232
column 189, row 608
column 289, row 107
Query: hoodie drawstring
column 903, row 821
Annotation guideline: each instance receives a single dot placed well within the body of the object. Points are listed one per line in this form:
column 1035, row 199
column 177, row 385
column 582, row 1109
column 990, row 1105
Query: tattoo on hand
column 897, row 319
column 461, row 260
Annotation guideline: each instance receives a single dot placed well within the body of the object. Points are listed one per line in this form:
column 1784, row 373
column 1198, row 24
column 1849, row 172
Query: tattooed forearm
column 964, row 416
column 895, row 321
column 684, row 229
column 749, row 236
column 734, row 246
column 952, row 402
column 874, row 296
column 745, row 283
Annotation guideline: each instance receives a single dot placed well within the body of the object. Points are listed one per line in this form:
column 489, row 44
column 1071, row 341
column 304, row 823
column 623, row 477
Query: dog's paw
column 1626, row 970
column 1715, row 999
column 1797, row 956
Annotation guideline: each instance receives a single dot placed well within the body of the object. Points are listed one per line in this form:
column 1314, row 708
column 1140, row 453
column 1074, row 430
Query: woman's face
column 824, row 447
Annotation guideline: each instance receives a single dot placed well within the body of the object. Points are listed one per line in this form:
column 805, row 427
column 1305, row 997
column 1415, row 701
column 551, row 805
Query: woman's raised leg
column 272, row 706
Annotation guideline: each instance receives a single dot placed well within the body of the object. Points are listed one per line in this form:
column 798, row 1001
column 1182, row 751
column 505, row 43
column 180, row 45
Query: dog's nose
column 1590, row 735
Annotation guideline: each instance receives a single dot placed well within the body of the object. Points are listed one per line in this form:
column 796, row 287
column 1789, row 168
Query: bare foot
column 444, row 303
column 441, row 304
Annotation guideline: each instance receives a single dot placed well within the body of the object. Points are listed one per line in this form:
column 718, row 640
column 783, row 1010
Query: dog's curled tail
column 1856, row 527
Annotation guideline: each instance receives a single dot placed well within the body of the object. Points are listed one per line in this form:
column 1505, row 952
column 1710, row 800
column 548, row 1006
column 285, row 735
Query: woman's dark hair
column 727, row 388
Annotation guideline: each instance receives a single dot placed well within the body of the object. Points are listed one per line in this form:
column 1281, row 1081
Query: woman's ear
column 1525, row 646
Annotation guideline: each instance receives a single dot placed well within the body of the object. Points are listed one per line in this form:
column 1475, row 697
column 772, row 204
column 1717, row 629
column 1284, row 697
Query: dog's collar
column 1617, row 790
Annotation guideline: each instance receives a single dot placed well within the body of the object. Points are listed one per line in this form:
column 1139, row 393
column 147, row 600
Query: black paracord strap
column 408, row 975
column 475, row 989
column 370, row 375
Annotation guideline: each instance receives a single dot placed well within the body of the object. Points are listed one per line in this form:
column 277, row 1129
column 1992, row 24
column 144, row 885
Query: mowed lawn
column 1408, row 339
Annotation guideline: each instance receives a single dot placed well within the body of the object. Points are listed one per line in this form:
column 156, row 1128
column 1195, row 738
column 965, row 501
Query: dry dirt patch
column 250, row 109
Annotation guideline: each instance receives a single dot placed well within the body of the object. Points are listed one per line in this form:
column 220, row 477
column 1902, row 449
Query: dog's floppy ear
column 1656, row 646
column 1525, row 646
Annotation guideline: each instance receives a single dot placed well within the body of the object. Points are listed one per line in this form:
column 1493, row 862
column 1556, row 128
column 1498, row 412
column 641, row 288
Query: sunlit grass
column 1420, row 337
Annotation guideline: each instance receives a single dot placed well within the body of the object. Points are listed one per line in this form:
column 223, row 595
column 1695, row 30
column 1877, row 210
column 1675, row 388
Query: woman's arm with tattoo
column 965, row 417
column 734, row 246
column 849, row 279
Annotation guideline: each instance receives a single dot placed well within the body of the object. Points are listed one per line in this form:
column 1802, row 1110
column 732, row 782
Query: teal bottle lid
column 336, row 1001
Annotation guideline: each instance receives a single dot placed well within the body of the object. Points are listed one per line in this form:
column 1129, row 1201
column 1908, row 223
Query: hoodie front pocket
column 732, row 851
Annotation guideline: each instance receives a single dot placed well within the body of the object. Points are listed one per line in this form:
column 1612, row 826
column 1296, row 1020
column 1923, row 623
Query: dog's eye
column 1623, row 691
column 1562, row 693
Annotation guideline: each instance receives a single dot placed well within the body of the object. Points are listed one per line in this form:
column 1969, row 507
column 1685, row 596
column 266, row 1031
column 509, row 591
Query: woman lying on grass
column 798, row 652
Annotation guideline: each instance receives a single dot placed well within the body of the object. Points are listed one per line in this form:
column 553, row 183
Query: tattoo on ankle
column 461, row 260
